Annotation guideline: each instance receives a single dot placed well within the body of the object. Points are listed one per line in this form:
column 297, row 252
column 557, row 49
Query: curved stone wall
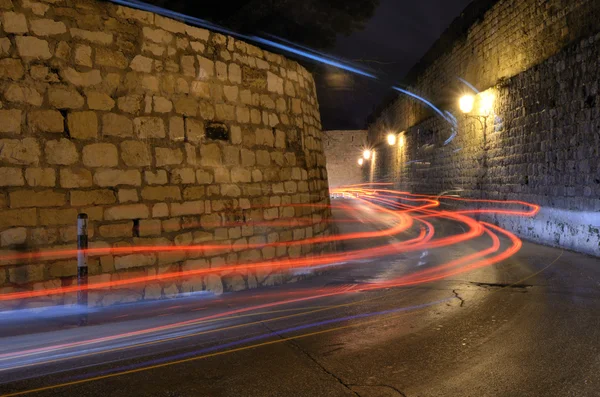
column 163, row 133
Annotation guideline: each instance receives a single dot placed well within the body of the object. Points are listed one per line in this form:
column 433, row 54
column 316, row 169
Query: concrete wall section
column 342, row 150
column 163, row 133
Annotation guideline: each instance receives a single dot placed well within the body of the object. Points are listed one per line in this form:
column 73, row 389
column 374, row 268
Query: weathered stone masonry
column 342, row 150
column 542, row 142
column 163, row 133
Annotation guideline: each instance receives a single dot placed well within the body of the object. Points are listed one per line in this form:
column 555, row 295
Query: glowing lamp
column 466, row 103
column 361, row 161
column 401, row 141
column 391, row 138
column 487, row 103
column 367, row 154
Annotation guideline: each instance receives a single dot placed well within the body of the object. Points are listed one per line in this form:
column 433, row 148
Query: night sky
column 394, row 40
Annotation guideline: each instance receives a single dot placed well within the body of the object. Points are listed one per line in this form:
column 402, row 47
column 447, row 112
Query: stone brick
column 265, row 137
column 14, row 236
column 135, row 153
column 162, row 105
column 139, row 15
column 197, row 33
column 40, row 177
column 116, row 230
column 93, row 37
column 206, row 69
column 194, row 130
column 11, row 69
column 240, row 175
column 134, row 260
column 83, row 79
column 263, row 157
column 187, row 208
column 47, row 27
column 183, row 176
column 222, row 175
column 159, row 36
column 22, row 217
column 167, row 156
column 210, row 155
column 83, row 55
column 161, row 193
column 45, row 121
column 41, row 198
column 229, row 190
column 63, row 51
column 75, row 177
column 24, row 274
column 235, row 73
column 128, row 196
column 159, row 177
column 186, row 106
column 111, row 177
column 13, row 22
column 130, row 211
column 99, row 100
column 83, row 125
column 23, row 94
column 176, row 129
column 111, row 59
column 116, row 125
column 20, row 151
column 160, row 210
column 130, row 103
column 203, row 177
column 188, row 65
column 274, row 83
column 62, row 152
column 248, row 158
column 193, row 193
column 100, row 155
column 141, row 63
column 150, row 227
column 149, row 127
column 81, row 198
column 62, row 97
column 10, row 121
column 58, row 216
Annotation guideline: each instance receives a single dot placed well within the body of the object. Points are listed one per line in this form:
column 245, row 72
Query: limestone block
column 83, row 79
column 248, row 158
column 128, row 196
column 13, row 22
column 159, row 36
column 141, row 63
column 40, row 177
column 134, row 260
column 161, row 193
column 63, row 51
column 162, row 104
column 229, row 190
column 204, row 177
column 210, row 155
column 139, row 15
column 45, row 121
column 99, row 100
column 207, row 111
column 187, row 208
column 274, row 83
column 111, row 59
column 198, row 47
column 231, row 92
column 4, row 45
column 264, row 136
column 11, row 176
column 62, row 152
column 159, row 177
column 41, row 198
column 206, row 68
column 188, row 65
column 197, row 33
column 200, row 89
column 64, row 98
column 81, row 198
column 279, row 139
column 129, row 211
column 194, row 192
column 75, row 177
column 194, row 130
column 93, row 37
column 149, row 127
column 24, row 152
column 130, row 103
column 17, row 235
column 57, row 216
column 10, row 121
column 240, row 175
column 242, row 114
column 100, row 155
column 150, row 227
column 116, row 125
column 222, row 175
column 11, row 69
column 183, row 176
column 135, row 153
column 149, row 83
column 115, row 230
column 24, row 274
column 112, row 177
column 83, row 125
column 235, row 73
column 83, row 55
column 23, row 94
column 263, row 158
column 168, row 156
column 186, row 106
column 221, row 69
column 160, row 210
column 214, row 284
column 47, row 27
column 176, row 129
column 169, row 24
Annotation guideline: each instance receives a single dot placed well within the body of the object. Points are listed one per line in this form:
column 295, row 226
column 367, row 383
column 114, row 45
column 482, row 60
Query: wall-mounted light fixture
column 466, row 103
column 361, row 161
column 486, row 103
column 391, row 139
column 367, row 154
column 401, row 140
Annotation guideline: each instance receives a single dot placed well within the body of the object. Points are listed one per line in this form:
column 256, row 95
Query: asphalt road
column 527, row 326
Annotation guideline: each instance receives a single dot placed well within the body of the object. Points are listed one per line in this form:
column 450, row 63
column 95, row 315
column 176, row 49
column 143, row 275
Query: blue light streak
column 471, row 86
column 425, row 101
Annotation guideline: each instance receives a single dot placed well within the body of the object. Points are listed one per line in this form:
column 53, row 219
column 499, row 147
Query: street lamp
column 361, row 161
column 391, row 138
column 466, row 103
column 367, row 154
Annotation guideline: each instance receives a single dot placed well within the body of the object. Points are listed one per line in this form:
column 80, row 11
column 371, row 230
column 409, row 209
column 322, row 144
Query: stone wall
column 342, row 150
column 163, row 133
column 541, row 141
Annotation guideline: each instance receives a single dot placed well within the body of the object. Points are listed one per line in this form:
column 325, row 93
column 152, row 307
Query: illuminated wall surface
column 342, row 151
column 541, row 141
column 164, row 134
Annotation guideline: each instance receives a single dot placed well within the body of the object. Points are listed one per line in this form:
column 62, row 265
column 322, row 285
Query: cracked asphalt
column 528, row 326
